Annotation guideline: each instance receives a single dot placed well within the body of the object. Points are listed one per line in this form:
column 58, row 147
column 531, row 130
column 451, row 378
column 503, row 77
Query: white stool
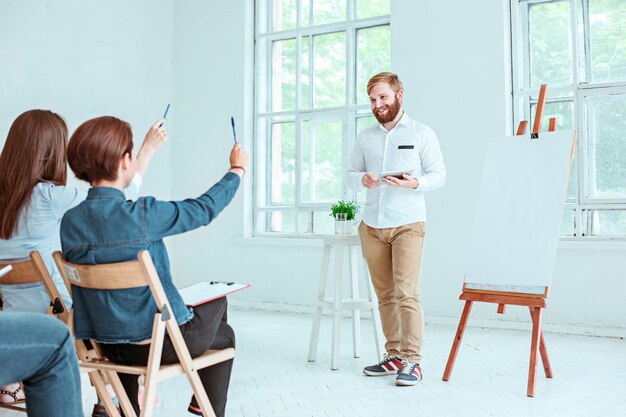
column 341, row 244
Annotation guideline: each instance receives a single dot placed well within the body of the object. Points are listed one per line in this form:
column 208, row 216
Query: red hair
column 385, row 77
column 96, row 147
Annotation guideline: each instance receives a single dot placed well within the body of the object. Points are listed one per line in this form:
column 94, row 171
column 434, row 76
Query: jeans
column 39, row 351
column 207, row 330
column 394, row 257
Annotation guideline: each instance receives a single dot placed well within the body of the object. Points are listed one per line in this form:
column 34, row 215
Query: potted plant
column 344, row 213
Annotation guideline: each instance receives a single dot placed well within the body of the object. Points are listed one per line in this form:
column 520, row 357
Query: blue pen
column 165, row 114
column 232, row 122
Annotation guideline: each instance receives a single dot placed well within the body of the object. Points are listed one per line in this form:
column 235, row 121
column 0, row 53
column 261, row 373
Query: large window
column 578, row 48
column 313, row 60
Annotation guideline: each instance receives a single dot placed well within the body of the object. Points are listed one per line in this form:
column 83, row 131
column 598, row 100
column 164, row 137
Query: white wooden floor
column 273, row 378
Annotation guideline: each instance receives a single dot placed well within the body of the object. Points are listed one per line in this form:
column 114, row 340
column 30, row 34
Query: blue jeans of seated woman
column 39, row 351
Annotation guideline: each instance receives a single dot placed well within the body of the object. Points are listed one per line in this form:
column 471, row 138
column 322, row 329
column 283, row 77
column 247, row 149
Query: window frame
column 579, row 92
column 264, row 115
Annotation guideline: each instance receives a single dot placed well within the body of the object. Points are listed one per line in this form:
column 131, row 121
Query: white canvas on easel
column 519, row 212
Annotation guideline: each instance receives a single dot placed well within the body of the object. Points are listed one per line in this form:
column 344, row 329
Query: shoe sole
column 403, row 383
column 370, row 373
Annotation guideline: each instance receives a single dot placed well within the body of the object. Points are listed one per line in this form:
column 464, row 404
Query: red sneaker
column 390, row 365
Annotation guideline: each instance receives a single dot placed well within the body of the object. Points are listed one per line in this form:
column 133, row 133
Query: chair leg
column 120, row 392
column 317, row 318
column 97, row 380
column 337, row 309
column 200, row 394
column 374, row 309
column 356, row 312
column 457, row 340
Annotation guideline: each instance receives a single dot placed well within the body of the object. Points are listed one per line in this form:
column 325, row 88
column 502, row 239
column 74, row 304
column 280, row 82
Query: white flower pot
column 342, row 225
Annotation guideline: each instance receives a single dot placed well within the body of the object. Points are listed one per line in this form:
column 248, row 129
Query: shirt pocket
column 407, row 157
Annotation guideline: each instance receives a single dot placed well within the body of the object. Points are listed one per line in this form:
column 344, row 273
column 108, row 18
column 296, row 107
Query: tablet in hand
column 395, row 174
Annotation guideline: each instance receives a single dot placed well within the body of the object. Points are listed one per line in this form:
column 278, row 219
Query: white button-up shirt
column 411, row 147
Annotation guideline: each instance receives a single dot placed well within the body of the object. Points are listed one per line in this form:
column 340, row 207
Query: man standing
column 393, row 226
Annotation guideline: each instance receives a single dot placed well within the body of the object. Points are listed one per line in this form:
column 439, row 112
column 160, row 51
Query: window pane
column 572, row 185
column 284, row 14
column 567, row 224
column 550, row 46
column 305, row 222
column 363, row 122
column 564, row 113
column 373, row 55
column 608, row 223
column 321, row 160
column 284, row 75
column 282, row 163
column 330, row 69
column 305, row 76
column 607, row 30
column 562, row 110
column 305, row 13
column 328, row 11
column 372, row 8
column 606, row 146
column 282, row 221
column 323, row 222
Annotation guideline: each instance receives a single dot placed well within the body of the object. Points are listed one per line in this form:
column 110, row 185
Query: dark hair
column 97, row 146
column 33, row 152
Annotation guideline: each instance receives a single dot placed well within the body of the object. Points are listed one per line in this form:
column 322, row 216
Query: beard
column 390, row 115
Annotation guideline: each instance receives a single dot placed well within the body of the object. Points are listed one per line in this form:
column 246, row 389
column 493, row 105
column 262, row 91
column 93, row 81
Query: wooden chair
column 34, row 270
column 29, row 271
column 141, row 273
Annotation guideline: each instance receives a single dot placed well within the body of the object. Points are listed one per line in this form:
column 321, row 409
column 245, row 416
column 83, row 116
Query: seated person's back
column 106, row 228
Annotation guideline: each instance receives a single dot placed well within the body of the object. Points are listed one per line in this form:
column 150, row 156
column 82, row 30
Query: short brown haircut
column 96, row 147
column 385, row 77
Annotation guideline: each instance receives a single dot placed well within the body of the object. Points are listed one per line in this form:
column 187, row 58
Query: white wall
column 84, row 59
column 212, row 58
column 130, row 58
column 456, row 71
column 456, row 75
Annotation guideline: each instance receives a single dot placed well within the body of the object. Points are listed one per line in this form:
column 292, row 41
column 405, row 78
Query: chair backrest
column 31, row 270
column 25, row 271
column 114, row 276
column 125, row 275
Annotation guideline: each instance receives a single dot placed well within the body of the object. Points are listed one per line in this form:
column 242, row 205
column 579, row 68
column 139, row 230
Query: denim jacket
column 106, row 228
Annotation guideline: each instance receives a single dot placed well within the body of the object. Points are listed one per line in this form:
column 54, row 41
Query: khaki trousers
column 393, row 258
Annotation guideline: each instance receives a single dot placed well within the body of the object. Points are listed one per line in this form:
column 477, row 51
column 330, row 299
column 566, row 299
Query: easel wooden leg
column 457, row 339
column 535, row 314
column 545, row 360
column 544, row 356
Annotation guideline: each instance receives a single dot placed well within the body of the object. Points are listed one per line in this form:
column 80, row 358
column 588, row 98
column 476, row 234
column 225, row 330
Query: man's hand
column 407, row 181
column 370, row 181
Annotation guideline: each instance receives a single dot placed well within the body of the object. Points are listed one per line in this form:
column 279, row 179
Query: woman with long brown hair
column 34, row 197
